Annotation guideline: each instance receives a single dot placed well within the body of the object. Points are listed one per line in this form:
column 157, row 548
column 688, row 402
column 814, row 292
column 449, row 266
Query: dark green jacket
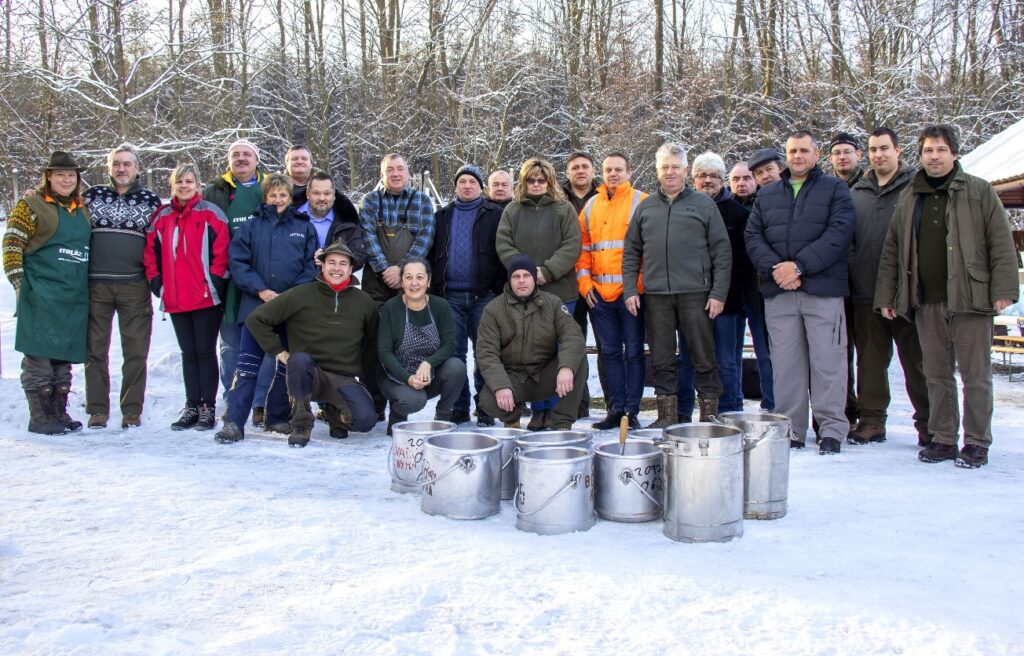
column 549, row 232
column 392, row 330
column 337, row 329
column 517, row 338
column 681, row 245
column 873, row 207
column 980, row 257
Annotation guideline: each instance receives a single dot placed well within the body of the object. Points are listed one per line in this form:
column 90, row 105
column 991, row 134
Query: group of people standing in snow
column 828, row 272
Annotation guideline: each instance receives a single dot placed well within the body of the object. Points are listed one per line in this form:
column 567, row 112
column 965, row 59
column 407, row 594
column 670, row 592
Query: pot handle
column 627, row 477
column 465, row 463
column 514, row 456
column 750, row 444
column 663, row 444
column 573, row 481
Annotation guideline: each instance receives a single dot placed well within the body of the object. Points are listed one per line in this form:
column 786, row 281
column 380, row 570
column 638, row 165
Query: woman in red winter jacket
column 186, row 263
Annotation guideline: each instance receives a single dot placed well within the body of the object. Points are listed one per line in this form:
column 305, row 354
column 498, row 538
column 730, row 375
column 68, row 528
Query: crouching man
column 528, row 349
column 332, row 331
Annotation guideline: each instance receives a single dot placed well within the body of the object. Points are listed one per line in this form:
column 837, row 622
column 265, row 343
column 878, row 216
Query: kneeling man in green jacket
column 528, row 348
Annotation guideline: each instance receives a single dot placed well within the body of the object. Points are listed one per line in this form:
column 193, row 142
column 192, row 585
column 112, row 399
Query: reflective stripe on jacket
column 603, row 223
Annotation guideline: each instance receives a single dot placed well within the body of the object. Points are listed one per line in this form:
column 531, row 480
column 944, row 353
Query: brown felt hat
column 61, row 161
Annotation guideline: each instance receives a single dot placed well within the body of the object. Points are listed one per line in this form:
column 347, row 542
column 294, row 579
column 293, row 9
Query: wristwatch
column 796, row 269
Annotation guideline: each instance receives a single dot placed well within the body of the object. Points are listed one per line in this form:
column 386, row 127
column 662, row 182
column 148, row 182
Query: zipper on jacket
column 668, row 221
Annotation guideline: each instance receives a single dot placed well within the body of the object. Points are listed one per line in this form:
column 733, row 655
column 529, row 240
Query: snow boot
column 538, row 421
column 829, row 446
column 59, row 401
column 299, row 437
column 41, row 419
column 187, row 419
column 866, row 433
column 229, row 433
column 668, row 411
column 937, row 452
column 708, row 409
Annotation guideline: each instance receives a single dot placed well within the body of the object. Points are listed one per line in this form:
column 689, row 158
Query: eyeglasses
column 536, row 181
column 706, row 175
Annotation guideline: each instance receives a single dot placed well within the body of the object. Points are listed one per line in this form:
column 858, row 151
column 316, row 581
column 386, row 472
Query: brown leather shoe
column 866, row 433
column 127, row 421
column 97, row 421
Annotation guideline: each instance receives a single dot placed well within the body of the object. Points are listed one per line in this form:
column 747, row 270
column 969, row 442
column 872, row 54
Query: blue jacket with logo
column 273, row 251
column 814, row 229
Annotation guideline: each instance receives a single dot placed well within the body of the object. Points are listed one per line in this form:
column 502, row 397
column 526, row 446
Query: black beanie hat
column 522, row 262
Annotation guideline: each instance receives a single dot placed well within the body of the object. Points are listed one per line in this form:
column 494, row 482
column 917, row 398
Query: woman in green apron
column 46, row 259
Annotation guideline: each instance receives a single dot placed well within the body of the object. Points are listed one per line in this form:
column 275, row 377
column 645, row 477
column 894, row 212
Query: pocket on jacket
column 978, row 278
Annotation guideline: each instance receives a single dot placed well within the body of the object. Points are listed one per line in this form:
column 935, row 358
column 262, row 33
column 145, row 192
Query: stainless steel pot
column 461, row 476
column 765, row 462
column 406, row 454
column 507, row 437
column 555, row 492
column 629, row 486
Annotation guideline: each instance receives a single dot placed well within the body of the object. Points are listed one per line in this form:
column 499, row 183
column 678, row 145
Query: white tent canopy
column 998, row 159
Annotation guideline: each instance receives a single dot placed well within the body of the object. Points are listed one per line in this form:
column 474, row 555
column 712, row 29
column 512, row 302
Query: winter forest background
column 489, row 81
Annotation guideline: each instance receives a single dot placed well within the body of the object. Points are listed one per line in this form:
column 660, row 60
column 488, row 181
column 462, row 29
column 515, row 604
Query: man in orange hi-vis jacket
column 620, row 335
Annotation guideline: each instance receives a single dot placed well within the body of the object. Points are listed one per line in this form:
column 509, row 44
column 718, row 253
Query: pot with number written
column 406, row 454
column 629, row 486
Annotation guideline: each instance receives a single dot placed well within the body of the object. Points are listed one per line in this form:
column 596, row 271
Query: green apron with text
column 53, row 303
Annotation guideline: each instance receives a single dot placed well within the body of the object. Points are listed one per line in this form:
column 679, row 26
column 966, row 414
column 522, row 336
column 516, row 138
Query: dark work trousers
column 550, row 403
column 467, row 308
column 665, row 314
column 197, row 337
column 950, row 341
column 536, row 388
column 308, row 382
column 447, row 383
column 134, row 307
column 39, row 372
column 244, row 385
column 875, row 336
column 579, row 313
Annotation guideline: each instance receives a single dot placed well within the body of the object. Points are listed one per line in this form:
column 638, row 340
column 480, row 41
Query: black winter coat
column 814, row 230
column 743, row 282
column 490, row 274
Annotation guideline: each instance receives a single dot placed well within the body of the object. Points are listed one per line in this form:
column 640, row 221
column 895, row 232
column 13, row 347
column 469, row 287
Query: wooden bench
column 1008, row 346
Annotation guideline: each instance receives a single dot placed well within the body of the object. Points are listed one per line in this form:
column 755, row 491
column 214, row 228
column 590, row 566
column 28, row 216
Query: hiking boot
column 866, row 433
column 924, row 439
column 41, row 419
column 207, row 417
column 282, row 427
column 708, row 409
column 972, row 456
column 634, row 421
column 937, row 452
column 458, row 417
column 797, row 444
column 538, row 421
column 129, row 421
column 610, row 421
column 97, row 421
column 339, row 432
column 259, row 415
column 829, row 446
column 187, row 419
column 395, row 418
column 668, row 411
column 229, row 433
column 59, row 405
column 299, row 437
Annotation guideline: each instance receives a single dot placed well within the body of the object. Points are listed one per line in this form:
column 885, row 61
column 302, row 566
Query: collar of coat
column 230, row 179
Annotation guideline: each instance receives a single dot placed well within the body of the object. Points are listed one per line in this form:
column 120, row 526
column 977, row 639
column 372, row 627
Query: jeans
column 230, row 338
column 550, row 403
column 467, row 308
column 754, row 313
column 620, row 331
column 729, row 353
column 308, row 382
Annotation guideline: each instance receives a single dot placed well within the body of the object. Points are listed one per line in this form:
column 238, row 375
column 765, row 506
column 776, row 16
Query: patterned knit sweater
column 119, row 223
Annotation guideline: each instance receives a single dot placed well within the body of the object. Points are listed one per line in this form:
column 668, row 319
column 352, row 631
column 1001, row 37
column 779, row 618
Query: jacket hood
column 230, row 179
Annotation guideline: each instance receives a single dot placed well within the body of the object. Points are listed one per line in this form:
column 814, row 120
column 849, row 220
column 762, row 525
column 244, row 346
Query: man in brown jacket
column 948, row 264
column 528, row 348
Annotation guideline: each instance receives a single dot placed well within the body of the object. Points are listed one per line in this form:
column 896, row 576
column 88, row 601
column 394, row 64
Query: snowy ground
column 155, row 542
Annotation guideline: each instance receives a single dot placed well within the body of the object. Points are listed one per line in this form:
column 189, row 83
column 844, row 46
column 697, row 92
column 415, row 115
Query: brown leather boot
column 866, row 433
column 668, row 411
column 708, row 409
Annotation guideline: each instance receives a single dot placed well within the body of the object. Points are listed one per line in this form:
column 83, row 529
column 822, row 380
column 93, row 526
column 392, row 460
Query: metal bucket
column 461, row 476
column 507, row 437
column 406, row 452
column 545, row 439
column 555, row 492
column 703, row 482
column 765, row 462
column 629, row 487
column 646, row 434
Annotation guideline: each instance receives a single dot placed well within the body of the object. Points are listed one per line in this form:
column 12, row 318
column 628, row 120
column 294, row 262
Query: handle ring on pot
column 627, row 477
column 748, row 445
column 573, row 481
column 465, row 463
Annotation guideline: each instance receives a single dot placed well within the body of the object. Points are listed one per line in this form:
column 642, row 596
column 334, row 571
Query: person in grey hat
column 46, row 260
column 766, row 166
column 468, row 272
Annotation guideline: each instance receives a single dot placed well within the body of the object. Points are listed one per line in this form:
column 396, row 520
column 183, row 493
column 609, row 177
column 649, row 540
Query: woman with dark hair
column 186, row 260
column 416, row 348
column 46, row 259
column 541, row 223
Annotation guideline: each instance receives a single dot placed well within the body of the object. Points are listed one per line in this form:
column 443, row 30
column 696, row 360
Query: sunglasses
column 536, row 181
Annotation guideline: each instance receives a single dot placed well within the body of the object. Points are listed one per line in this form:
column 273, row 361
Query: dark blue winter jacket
column 272, row 251
column 814, row 230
